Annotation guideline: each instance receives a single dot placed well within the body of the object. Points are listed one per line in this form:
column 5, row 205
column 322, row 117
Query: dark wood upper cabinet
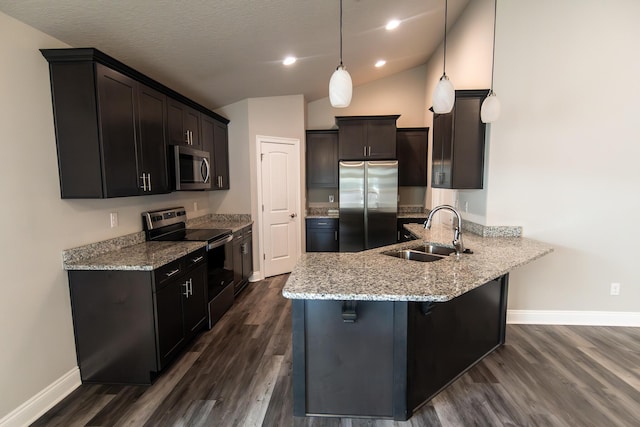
column 322, row 158
column 458, row 143
column 411, row 149
column 213, row 135
column 366, row 137
column 113, row 125
column 183, row 124
column 152, row 156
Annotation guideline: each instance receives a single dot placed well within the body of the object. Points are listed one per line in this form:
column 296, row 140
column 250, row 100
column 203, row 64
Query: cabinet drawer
column 322, row 223
column 195, row 258
column 169, row 271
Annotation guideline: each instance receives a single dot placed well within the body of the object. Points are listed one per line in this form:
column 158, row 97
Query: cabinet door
column 458, row 143
column 322, row 159
column 170, row 322
column 194, row 304
column 468, row 143
column 351, row 140
column 152, row 148
column 215, row 141
column 381, row 139
column 183, row 124
column 411, row 149
column 442, row 138
column 322, row 240
column 117, row 108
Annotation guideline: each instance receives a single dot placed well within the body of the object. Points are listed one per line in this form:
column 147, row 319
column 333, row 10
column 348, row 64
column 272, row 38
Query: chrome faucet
column 457, row 234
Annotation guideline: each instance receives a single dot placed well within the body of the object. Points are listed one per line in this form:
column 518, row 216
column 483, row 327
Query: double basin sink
column 425, row 252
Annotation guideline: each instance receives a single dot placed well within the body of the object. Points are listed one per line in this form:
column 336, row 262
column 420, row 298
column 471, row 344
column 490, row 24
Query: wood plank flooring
column 239, row 374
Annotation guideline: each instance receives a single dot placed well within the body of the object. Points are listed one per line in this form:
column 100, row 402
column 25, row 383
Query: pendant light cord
column 444, row 62
column 493, row 54
column 340, row 35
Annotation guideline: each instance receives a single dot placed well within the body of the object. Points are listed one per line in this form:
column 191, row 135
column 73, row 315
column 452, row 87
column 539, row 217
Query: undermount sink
column 431, row 248
column 426, row 252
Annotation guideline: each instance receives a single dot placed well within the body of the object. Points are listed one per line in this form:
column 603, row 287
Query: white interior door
column 280, row 177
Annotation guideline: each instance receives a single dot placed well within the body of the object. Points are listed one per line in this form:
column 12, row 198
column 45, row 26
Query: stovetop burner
column 170, row 225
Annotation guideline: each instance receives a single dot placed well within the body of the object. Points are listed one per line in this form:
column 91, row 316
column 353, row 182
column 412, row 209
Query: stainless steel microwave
column 191, row 168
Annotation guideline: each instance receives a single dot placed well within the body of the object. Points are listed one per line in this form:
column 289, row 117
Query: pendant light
column 490, row 110
column 444, row 94
column 340, row 86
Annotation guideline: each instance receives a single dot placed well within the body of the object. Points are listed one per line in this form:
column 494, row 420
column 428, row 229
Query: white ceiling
column 221, row 51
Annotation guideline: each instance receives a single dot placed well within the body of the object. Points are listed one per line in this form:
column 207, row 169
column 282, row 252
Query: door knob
column 293, row 215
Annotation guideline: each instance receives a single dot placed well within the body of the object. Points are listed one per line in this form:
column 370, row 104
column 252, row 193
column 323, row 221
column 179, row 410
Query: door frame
column 260, row 220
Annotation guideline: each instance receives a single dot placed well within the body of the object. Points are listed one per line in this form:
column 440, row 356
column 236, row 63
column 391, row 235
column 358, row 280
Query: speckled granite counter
column 372, row 276
column 131, row 252
column 143, row 256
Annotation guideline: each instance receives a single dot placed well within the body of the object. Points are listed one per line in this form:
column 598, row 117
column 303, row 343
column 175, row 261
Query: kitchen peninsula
column 378, row 336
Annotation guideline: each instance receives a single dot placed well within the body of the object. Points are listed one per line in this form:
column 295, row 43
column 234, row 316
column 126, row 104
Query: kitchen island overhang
column 377, row 336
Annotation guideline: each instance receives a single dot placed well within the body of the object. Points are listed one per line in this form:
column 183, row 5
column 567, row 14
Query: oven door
column 192, row 169
column 220, row 277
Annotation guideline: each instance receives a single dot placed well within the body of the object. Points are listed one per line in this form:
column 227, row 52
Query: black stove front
column 169, row 225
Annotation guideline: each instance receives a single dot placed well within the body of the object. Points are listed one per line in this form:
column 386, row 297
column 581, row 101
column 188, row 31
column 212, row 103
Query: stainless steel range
column 170, row 225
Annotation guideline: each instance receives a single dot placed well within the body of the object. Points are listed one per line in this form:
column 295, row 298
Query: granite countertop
column 230, row 224
column 132, row 252
column 142, row 256
column 370, row 275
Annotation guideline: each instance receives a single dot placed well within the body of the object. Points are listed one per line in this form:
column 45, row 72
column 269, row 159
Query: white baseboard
column 33, row 408
column 561, row 317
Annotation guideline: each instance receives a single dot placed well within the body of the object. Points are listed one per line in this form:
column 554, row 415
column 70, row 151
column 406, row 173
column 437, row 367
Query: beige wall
column 401, row 93
column 36, row 225
column 559, row 161
column 278, row 116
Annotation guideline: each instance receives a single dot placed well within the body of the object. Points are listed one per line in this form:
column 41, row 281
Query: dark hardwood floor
column 239, row 374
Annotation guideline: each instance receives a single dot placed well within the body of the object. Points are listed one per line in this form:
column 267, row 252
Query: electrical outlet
column 615, row 289
column 195, row 206
column 114, row 219
column 331, row 199
column 466, row 206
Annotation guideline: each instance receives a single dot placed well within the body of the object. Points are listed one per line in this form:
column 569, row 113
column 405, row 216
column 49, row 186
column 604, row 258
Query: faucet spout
column 457, row 234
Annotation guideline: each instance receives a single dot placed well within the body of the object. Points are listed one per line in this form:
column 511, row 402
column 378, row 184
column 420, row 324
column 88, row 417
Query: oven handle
column 219, row 242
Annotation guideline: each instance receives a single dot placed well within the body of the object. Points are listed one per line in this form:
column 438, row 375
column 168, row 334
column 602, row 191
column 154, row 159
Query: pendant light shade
column 340, row 85
column 490, row 109
column 340, row 88
column 444, row 95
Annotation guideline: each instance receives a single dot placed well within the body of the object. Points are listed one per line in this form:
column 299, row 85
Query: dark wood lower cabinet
column 384, row 359
column 129, row 325
column 242, row 258
column 322, row 235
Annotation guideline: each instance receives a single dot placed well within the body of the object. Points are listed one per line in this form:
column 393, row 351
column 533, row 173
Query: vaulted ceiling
column 221, row 51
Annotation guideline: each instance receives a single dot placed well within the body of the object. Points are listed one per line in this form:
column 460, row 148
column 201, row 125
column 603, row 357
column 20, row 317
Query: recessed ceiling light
column 380, row 63
column 393, row 24
column 289, row 60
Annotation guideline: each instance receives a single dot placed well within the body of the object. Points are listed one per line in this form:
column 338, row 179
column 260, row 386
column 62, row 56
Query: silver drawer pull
column 171, row 273
column 194, row 260
column 322, row 223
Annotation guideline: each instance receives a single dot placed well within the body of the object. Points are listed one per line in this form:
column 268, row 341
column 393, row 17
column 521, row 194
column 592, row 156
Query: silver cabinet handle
column 190, row 286
column 187, row 137
column 186, row 289
column 322, row 223
column 369, row 153
column 194, row 260
column 364, row 151
column 171, row 273
column 149, row 181
column 144, row 182
column 335, row 235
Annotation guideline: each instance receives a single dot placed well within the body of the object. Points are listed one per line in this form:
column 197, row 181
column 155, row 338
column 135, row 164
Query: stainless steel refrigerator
column 368, row 204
